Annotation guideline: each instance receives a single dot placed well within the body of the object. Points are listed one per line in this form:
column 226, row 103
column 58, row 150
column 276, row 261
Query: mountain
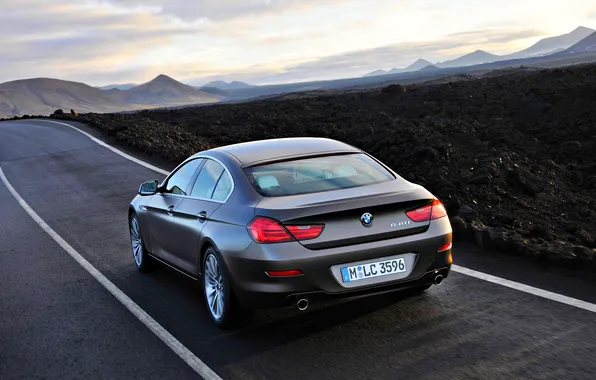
column 375, row 73
column 553, row 44
column 430, row 67
column 476, row 58
column 419, row 64
column 587, row 45
column 42, row 96
column 235, row 85
column 163, row 90
column 546, row 46
column 216, row 84
column 216, row 91
column 125, row 86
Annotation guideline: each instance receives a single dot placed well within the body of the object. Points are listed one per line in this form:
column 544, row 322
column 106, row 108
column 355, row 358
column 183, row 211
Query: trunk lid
column 341, row 211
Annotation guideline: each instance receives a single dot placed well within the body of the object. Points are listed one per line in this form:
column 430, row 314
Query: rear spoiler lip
column 300, row 156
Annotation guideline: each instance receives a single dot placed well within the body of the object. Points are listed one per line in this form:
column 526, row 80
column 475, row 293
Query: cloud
column 281, row 38
column 222, row 10
column 42, row 39
column 491, row 36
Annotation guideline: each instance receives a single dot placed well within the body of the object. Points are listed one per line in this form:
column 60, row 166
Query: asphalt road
column 58, row 322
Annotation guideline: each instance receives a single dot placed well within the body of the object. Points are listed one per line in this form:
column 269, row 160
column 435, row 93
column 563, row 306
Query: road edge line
column 456, row 268
column 526, row 288
column 115, row 150
column 178, row 348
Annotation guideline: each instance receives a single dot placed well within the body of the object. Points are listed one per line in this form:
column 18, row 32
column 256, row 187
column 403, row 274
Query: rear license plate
column 370, row 270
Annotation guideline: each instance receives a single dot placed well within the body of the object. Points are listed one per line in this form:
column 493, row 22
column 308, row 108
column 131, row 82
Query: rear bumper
column 321, row 296
column 255, row 289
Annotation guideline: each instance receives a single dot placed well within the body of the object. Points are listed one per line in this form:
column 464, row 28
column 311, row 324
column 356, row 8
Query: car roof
column 261, row 151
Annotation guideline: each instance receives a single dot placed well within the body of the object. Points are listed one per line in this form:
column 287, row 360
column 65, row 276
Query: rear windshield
column 311, row 175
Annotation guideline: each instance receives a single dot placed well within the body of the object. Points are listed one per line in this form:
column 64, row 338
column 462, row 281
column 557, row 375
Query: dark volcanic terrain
column 513, row 156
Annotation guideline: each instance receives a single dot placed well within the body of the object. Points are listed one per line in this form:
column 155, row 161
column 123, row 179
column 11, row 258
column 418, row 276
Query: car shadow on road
column 274, row 328
column 165, row 293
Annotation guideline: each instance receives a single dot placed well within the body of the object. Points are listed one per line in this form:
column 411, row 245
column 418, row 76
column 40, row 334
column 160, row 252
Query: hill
column 125, row 86
column 234, row 85
column 163, row 91
column 216, row 91
column 587, row 45
column 430, row 67
column 546, row 46
column 476, row 58
column 375, row 73
column 553, row 44
column 42, row 96
column 419, row 64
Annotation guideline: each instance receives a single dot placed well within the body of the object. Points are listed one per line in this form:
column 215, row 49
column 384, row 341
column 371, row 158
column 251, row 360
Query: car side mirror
column 148, row 188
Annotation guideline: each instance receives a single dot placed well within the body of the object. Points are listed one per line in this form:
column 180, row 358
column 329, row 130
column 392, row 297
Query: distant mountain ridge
column 476, row 58
column 419, row 64
column 375, row 73
column 42, row 96
column 586, row 45
column 234, row 85
column 553, row 44
column 545, row 46
column 124, row 86
column 163, row 90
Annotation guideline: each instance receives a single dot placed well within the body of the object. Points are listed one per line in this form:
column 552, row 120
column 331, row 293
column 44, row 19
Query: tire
column 221, row 303
column 140, row 256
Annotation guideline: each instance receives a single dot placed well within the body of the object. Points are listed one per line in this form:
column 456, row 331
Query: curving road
column 58, row 322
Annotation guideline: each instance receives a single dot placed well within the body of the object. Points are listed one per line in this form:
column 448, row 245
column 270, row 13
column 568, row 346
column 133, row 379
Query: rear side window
column 223, row 187
column 311, row 175
column 180, row 180
column 207, row 180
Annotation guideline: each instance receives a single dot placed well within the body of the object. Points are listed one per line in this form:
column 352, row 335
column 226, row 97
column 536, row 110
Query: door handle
column 171, row 210
column 202, row 215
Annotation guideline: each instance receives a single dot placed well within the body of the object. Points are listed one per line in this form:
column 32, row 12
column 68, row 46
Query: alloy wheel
column 136, row 241
column 214, row 287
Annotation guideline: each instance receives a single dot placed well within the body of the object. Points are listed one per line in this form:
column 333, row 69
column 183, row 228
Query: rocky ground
column 512, row 156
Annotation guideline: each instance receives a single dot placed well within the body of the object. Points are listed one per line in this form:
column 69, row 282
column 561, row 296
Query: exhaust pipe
column 438, row 279
column 302, row 304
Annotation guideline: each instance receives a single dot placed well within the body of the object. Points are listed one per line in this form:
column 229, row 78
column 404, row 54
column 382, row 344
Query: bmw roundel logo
column 366, row 219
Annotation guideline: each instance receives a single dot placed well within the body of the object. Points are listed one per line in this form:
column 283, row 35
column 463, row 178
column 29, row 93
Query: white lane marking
column 526, row 288
column 117, row 151
column 180, row 350
column 456, row 268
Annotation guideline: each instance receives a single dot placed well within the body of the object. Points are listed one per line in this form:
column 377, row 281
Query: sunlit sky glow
column 263, row 41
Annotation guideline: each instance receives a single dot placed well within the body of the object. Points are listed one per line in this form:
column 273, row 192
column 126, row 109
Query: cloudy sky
column 263, row 41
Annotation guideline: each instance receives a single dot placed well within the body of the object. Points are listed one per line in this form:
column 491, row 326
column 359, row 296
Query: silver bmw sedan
column 289, row 222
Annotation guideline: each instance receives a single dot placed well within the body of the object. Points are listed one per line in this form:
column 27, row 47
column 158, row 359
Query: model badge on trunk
column 400, row 224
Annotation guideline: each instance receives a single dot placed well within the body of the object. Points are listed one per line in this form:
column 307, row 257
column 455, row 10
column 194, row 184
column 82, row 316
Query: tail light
column 433, row 210
column 284, row 273
column 267, row 230
column 306, row 232
column 445, row 247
